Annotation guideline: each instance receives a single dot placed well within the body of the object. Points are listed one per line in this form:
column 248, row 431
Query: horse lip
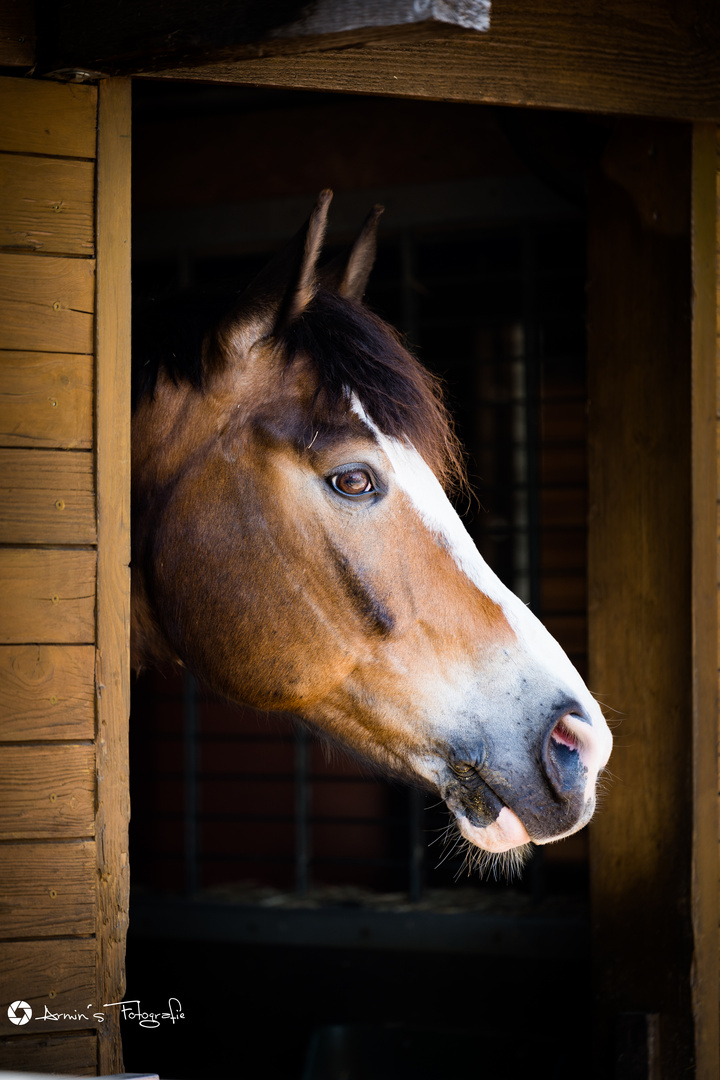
column 473, row 802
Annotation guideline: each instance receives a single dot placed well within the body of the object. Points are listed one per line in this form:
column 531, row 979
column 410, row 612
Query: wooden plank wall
column 64, row 413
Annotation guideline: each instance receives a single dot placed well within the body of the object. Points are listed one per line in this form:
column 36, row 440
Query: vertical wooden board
column 69, row 1055
column 47, row 205
column 57, row 975
column 46, row 400
column 48, row 889
column 39, row 117
column 47, row 497
column 46, row 303
column 113, row 583
column 47, row 692
column 706, row 911
column 640, row 582
column 47, row 596
column 47, row 792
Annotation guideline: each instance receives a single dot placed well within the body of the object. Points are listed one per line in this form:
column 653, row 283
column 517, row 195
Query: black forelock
column 352, row 351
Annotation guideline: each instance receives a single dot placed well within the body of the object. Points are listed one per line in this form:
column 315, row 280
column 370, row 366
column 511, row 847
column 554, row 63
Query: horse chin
column 506, row 832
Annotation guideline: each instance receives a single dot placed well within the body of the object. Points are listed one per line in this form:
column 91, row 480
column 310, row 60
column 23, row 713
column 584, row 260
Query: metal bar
column 191, row 782
column 302, row 811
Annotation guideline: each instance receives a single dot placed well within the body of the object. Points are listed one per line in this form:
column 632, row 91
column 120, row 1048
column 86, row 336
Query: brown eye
column 353, row 483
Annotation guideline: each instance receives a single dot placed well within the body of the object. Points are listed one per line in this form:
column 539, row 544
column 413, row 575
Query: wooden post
column 112, row 673
column 641, row 563
column 705, row 238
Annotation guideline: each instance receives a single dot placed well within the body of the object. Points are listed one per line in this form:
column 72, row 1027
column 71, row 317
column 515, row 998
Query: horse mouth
column 482, row 816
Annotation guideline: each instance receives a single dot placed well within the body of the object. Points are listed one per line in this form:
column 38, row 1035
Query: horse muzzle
column 538, row 789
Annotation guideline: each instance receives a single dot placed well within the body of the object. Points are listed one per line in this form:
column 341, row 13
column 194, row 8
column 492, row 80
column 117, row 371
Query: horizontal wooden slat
column 46, row 400
column 48, row 118
column 47, row 497
column 47, row 205
column 57, row 975
column 47, row 596
column 47, row 303
column 71, row 1055
column 47, row 692
column 47, row 792
column 48, row 889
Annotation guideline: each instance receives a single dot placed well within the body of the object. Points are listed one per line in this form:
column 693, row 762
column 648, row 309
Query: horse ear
column 348, row 273
column 288, row 282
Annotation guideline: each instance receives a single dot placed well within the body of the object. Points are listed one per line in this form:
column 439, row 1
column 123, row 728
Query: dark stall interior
column 312, row 918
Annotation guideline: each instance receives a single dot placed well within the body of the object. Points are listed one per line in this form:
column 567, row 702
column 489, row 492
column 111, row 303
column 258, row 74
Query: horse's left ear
column 285, row 287
column 348, row 273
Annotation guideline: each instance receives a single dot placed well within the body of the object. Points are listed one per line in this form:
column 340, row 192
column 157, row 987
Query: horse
column 295, row 547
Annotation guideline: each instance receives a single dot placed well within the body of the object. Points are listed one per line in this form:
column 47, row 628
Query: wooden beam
column 112, row 671
column 705, row 246
column 126, row 37
column 640, row 595
column 638, row 57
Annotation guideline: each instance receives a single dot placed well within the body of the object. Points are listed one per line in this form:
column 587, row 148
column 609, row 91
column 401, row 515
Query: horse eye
column 353, row 483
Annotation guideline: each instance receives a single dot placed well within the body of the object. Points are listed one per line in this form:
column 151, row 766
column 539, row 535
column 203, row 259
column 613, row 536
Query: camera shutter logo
column 19, row 1012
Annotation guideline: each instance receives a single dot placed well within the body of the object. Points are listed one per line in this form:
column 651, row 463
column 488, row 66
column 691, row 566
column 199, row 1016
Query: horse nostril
column 562, row 758
column 563, row 735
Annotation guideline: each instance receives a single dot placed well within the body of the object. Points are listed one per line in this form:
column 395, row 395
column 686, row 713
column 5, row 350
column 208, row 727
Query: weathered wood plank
column 47, row 692
column 640, row 597
column 113, row 574
column 47, row 205
column 47, row 596
column 47, row 792
column 17, row 33
column 70, row 1055
column 123, row 37
column 705, row 609
column 57, row 975
column 47, row 304
column 47, row 497
column 47, row 117
column 639, row 57
column 48, row 889
column 46, row 400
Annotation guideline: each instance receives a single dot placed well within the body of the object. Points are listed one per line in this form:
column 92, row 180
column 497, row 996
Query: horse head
column 294, row 546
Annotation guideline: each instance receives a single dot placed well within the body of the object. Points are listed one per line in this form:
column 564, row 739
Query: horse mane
column 354, row 353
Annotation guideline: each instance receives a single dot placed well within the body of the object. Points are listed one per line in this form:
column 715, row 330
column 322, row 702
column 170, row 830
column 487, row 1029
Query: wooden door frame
column 702, row 617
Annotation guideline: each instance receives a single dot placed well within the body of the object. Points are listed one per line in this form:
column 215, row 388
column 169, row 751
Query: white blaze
column 415, row 477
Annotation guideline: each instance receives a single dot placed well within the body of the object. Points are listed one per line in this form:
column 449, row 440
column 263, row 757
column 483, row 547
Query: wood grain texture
column 47, row 205
column 124, row 37
column 113, row 575
column 47, row 497
column 47, row 596
column 706, row 911
column 47, row 692
column 47, row 117
column 48, row 889
column 70, row 1055
column 57, row 975
column 46, row 400
column 640, row 595
column 626, row 56
column 17, row 33
column 47, row 792
column 47, row 304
